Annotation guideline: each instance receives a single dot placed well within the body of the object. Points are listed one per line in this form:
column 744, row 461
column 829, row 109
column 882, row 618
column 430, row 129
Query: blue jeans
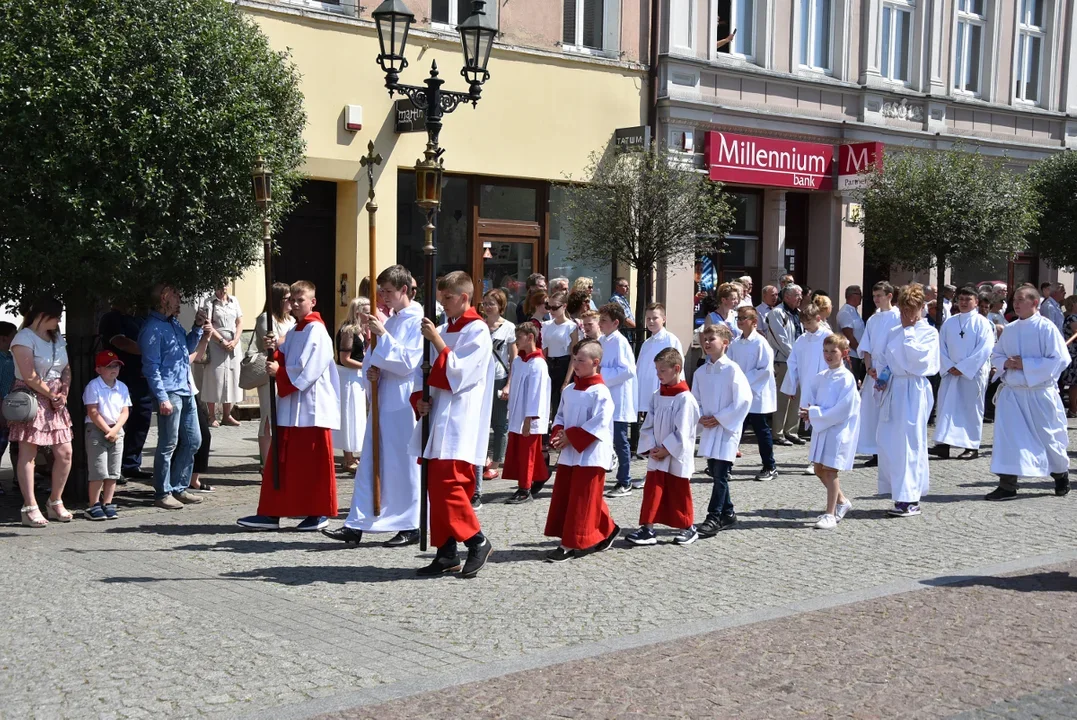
column 174, row 460
column 623, row 451
column 761, row 427
column 720, row 503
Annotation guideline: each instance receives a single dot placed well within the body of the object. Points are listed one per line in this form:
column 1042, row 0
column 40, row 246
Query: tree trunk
column 938, row 294
column 81, row 336
column 644, row 291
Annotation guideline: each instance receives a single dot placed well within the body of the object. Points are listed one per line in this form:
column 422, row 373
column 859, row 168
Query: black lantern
column 394, row 21
column 477, row 35
column 262, row 177
column 428, row 173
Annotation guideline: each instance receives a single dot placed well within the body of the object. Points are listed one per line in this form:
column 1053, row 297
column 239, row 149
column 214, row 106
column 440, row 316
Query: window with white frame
column 896, row 40
column 587, row 24
column 1030, row 39
column 815, row 30
column 968, row 53
column 736, row 27
column 451, row 13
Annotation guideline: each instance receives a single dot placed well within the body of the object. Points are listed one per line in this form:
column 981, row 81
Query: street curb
column 480, row 671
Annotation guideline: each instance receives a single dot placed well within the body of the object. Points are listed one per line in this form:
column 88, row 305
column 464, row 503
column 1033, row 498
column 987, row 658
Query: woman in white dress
column 351, row 346
column 221, row 380
column 281, row 302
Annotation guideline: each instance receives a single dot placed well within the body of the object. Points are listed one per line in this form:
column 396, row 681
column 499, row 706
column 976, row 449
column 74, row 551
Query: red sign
column 855, row 160
column 768, row 161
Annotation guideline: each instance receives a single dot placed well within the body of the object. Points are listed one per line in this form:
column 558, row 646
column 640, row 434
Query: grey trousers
column 787, row 418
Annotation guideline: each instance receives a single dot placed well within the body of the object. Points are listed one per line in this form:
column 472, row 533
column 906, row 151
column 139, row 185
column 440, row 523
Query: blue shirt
column 166, row 355
column 623, row 302
column 7, row 373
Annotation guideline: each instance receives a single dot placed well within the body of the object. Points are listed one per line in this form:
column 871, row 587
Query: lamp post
column 477, row 35
column 262, row 179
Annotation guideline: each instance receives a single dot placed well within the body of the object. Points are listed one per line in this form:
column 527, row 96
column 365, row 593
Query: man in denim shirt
column 166, row 363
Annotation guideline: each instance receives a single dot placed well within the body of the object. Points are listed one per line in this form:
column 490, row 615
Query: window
column 968, row 59
column 584, row 24
column 897, row 41
column 1030, row 39
column 453, row 12
column 736, row 27
column 815, row 28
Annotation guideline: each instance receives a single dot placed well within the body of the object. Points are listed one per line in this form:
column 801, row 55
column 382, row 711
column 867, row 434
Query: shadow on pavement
column 179, row 530
column 1051, row 581
column 333, row 574
column 256, row 546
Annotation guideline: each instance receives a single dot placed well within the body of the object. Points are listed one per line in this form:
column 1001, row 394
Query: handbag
column 20, row 406
column 252, row 369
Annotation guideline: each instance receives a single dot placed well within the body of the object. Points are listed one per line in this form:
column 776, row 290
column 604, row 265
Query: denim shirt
column 166, row 355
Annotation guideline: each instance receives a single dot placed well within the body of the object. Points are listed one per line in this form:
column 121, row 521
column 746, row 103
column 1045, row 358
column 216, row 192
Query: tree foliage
column 128, row 129
column 941, row 209
column 644, row 209
column 1054, row 181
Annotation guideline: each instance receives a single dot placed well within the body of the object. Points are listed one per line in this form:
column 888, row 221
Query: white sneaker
column 841, row 509
column 826, row 522
column 810, row 470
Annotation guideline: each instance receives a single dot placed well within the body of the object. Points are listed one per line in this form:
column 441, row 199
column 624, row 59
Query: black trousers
column 138, row 424
column 201, row 458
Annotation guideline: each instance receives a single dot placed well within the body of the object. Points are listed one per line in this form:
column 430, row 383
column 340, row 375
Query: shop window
column 561, row 264
column 815, row 31
column 897, row 17
column 590, row 25
column 450, row 13
column 1031, row 35
column 968, row 59
column 453, row 231
column 736, row 28
column 742, row 253
column 506, row 202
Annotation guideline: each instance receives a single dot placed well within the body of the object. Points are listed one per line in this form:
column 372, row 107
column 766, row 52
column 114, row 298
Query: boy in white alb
column 1031, row 438
column 583, row 432
column 806, row 360
column 831, row 404
column 529, row 416
column 647, row 381
column 107, row 402
column 724, row 397
column 755, row 358
column 461, row 398
column 619, row 375
column 876, row 331
column 668, row 437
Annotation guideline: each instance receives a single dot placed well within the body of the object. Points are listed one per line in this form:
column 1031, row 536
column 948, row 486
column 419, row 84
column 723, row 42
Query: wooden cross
column 369, row 161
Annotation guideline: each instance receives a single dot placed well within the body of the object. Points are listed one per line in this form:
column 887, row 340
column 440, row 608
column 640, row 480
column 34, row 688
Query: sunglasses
column 553, row 307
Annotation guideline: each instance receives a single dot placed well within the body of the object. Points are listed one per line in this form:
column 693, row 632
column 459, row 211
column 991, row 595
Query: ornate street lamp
column 262, row 180
column 477, row 35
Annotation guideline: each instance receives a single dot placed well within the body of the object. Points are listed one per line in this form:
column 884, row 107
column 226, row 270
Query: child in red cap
column 107, row 402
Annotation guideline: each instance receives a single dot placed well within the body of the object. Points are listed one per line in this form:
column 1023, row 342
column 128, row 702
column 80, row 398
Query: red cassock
column 578, row 511
column 523, row 460
column 667, row 499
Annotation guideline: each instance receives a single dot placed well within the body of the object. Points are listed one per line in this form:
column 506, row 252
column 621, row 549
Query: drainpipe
column 653, row 109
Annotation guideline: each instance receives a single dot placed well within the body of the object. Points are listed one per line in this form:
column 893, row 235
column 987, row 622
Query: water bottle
column 883, row 379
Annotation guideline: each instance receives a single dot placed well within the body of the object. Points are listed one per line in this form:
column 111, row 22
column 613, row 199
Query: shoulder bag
column 252, row 369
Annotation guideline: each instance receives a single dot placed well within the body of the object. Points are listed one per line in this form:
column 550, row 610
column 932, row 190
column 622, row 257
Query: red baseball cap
column 106, row 358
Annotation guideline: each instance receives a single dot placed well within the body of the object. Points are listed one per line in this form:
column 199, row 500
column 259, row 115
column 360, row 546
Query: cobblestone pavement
column 184, row 614
column 925, row 654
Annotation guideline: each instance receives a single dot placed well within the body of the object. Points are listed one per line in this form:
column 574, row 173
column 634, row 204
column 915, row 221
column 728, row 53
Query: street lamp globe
column 394, row 21
column 428, row 173
column 262, row 179
column 477, row 35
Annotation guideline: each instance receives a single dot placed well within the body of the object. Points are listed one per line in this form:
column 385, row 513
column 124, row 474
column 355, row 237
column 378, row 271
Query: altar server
column 876, row 330
column 646, row 376
column 529, row 417
column 908, row 358
column 754, row 356
column 965, row 346
column 1031, row 439
column 619, row 375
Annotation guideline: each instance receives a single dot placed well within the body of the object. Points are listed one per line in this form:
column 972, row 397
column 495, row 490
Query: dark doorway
column 308, row 244
column 796, row 236
column 873, row 272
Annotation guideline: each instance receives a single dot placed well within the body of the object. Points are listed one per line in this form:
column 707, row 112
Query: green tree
column 645, row 209
column 942, row 209
column 1055, row 183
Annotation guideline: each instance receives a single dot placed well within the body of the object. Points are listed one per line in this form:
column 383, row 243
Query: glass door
column 506, row 263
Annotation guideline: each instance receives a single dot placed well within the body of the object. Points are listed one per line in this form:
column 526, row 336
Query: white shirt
column 723, row 393
column 671, row 424
column 50, row 358
column 646, row 375
column 619, row 374
column 806, row 361
column 1051, row 310
column 849, row 317
column 876, row 330
column 591, row 410
column 310, row 362
column 754, row 356
column 110, row 401
column 834, row 413
column 529, row 395
column 557, row 339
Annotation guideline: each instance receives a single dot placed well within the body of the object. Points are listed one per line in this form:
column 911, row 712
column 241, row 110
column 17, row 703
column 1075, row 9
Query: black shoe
column 402, row 538
column 476, row 559
column 765, row 474
column 783, row 441
column 873, row 462
column 536, row 488
column 440, row 566
column 476, row 501
column 727, row 520
column 120, row 482
column 519, row 497
column 1001, row 493
column 605, row 544
column 969, row 455
column 559, row 555
column 709, row 527
column 345, row 535
column 1062, row 484
column 940, row 451
column 795, row 439
column 139, row 474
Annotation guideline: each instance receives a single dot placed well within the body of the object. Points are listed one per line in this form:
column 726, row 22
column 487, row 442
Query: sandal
column 28, row 517
column 202, row 488
column 57, row 511
column 231, row 422
column 214, row 424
